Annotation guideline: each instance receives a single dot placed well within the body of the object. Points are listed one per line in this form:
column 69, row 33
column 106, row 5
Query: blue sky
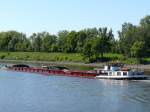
column 54, row 15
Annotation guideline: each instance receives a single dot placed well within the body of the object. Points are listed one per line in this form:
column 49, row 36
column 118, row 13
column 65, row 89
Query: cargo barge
column 109, row 72
column 48, row 71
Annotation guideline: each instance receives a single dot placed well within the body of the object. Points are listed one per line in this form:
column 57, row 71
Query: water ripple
column 23, row 92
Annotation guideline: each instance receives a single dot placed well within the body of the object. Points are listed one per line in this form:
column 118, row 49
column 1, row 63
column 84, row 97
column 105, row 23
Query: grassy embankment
column 62, row 57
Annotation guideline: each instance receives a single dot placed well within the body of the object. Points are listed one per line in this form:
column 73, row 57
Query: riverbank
column 66, row 57
column 76, row 64
column 73, row 60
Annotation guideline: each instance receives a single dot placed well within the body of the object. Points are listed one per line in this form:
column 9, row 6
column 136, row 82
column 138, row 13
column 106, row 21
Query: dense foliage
column 136, row 38
column 133, row 41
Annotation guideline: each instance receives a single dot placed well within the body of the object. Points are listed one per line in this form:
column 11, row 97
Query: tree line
column 133, row 41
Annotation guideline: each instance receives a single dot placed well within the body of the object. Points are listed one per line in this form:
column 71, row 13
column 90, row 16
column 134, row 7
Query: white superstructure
column 118, row 72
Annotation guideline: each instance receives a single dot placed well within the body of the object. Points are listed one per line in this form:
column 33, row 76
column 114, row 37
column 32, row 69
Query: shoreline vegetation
column 68, row 57
column 89, row 45
column 65, row 59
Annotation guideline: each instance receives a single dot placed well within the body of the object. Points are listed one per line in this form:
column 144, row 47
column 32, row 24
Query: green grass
column 38, row 56
column 114, row 57
column 63, row 57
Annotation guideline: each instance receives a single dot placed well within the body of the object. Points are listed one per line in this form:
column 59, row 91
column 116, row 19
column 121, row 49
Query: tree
column 62, row 40
column 48, row 41
column 101, row 43
column 145, row 21
column 9, row 40
column 71, row 44
column 88, row 52
column 144, row 34
column 12, row 43
column 104, row 39
column 97, row 47
column 81, row 38
column 115, row 46
column 137, row 49
column 36, row 42
column 91, row 32
column 127, row 36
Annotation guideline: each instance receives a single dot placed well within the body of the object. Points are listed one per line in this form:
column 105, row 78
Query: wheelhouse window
column 118, row 73
column 124, row 73
column 110, row 73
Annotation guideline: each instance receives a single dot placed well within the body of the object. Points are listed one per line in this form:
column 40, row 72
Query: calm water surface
column 24, row 92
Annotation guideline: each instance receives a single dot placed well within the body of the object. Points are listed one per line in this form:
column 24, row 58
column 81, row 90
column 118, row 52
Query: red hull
column 54, row 72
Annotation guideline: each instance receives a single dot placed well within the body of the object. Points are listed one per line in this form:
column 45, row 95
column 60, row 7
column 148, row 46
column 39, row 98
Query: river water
column 25, row 92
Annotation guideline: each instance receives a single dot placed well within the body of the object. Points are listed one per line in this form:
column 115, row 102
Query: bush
column 3, row 56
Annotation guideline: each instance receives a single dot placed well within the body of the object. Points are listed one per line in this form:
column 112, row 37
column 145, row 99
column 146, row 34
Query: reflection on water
column 114, row 82
column 23, row 92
